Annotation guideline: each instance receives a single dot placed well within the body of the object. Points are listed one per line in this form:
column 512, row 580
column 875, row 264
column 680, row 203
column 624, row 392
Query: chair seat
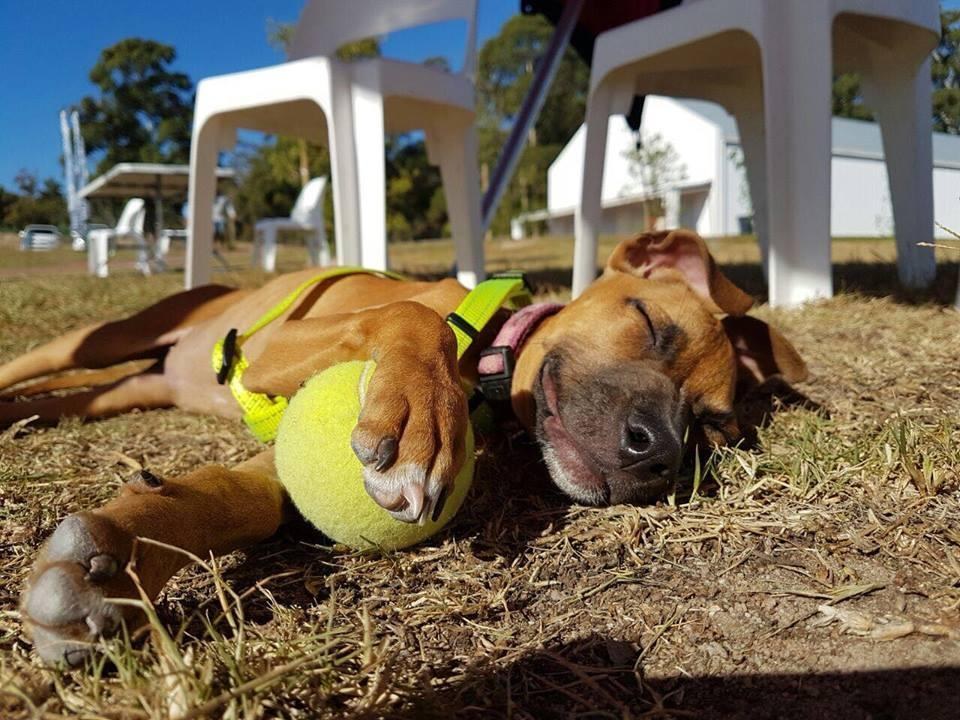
column 282, row 224
column 102, row 233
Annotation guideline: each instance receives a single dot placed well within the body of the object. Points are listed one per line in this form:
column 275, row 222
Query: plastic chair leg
column 203, row 162
column 748, row 111
column 143, row 256
column 589, row 212
column 97, row 254
column 317, row 252
column 455, row 151
column 899, row 93
column 163, row 246
column 368, row 142
column 268, row 249
column 343, row 169
column 797, row 74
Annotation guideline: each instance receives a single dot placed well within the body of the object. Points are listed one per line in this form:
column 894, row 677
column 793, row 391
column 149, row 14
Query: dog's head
column 651, row 354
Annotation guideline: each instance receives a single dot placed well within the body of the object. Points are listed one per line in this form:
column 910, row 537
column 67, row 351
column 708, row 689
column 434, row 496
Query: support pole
column 530, row 110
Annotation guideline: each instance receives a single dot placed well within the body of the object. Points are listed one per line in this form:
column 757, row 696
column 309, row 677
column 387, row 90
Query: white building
column 713, row 194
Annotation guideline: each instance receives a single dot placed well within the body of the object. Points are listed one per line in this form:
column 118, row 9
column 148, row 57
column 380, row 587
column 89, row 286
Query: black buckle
column 514, row 275
column 496, row 387
column 226, row 362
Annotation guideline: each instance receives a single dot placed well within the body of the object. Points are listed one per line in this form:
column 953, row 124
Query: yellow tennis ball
column 324, row 477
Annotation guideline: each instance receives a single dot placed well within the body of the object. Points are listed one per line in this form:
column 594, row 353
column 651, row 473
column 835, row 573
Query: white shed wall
column 946, row 200
column 860, row 192
column 693, row 137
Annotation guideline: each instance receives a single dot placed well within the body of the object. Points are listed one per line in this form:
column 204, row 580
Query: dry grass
column 815, row 573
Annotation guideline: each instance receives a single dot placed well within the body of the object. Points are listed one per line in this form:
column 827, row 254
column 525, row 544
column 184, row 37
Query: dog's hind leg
column 75, row 379
column 110, row 343
column 216, row 510
column 147, row 390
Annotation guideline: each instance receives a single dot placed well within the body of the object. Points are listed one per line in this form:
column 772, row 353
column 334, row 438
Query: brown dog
column 609, row 386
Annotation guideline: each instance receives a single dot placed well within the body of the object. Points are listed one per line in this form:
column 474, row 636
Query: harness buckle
column 496, row 387
column 226, row 361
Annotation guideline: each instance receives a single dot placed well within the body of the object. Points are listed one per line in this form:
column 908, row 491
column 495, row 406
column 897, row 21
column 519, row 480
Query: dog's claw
column 386, row 453
column 438, row 504
column 407, row 440
column 102, row 567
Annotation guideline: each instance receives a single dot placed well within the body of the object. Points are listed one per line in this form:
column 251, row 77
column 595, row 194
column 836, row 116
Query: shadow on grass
column 870, row 279
column 595, row 678
column 863, row 278
column 512, row 502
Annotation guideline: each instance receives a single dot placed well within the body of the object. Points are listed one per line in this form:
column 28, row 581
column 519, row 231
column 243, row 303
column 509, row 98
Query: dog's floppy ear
column 762, row 352
column 684, row 252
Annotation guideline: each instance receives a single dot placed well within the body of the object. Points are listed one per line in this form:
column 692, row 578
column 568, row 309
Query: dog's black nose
column 649, row 448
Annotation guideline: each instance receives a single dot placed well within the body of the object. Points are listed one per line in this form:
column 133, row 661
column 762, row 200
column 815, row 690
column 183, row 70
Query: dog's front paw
column 410, row 439
column 65, row 604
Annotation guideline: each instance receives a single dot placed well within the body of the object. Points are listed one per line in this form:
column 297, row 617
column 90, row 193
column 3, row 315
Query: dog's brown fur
column 645, row 342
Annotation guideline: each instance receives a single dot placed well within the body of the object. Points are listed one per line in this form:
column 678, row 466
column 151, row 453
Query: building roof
column 851, row 138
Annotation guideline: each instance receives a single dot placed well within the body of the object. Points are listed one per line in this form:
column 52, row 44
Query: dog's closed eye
column 641, row 307
column 665, row 336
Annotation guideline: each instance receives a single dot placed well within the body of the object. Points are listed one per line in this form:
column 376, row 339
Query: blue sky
column 49, row 47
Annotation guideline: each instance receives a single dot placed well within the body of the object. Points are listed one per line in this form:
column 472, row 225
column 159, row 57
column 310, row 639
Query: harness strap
column 262, row 413
column 482, row 303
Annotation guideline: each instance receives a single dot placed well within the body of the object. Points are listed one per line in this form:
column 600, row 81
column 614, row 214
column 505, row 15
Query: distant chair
column 103, row 241
column 307, row 216
column 224, row 214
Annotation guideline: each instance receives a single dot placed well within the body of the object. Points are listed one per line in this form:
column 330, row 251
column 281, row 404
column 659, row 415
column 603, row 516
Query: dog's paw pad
column 65, row 605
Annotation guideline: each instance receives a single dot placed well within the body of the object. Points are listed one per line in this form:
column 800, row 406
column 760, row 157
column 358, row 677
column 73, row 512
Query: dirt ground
column 813, row 572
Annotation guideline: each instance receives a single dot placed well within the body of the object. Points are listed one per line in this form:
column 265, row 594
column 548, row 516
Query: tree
column 655, row 166
column 7, row 199
column 505, row 69
column 143, row 112
column 416, row 207
column 34, row 202
column 946, row 75
column 848, row 98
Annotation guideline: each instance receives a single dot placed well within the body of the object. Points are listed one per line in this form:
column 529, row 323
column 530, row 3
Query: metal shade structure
column 595, row 17
column 147, row 180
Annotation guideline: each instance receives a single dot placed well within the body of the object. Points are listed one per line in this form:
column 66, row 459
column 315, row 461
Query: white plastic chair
column 771, row 65
column 307, row 214
column 351, row 105
column 223, row 212
column 102, row 241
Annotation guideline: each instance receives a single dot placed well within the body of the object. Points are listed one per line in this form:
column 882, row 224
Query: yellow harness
column 262, row 413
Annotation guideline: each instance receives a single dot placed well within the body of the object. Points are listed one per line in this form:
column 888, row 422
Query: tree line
column 142, row 107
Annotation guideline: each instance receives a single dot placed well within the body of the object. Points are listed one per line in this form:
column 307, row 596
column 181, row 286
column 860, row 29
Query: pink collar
column 493, row 360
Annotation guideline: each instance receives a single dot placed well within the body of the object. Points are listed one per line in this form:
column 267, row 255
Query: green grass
column 794, row 561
